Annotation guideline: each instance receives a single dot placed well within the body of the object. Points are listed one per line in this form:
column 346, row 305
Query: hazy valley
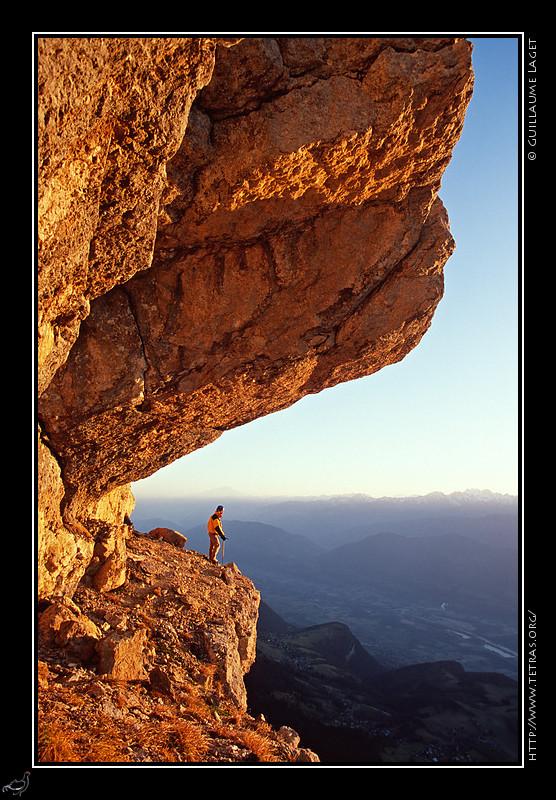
column 352, row 709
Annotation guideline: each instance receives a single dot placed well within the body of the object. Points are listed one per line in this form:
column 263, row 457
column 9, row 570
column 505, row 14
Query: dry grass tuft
column 55, row 745
column 59, row 742
column 175, row 740
column 260, row 745
column 195, row 704
column 259, row 740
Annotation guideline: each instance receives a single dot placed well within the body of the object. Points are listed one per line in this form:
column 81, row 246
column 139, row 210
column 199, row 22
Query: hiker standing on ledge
column 214, row 528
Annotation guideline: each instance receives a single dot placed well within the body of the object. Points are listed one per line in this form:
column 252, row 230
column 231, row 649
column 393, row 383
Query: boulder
column 122, row 655
column 107, row 568
column 63, row 625
column 170, row 536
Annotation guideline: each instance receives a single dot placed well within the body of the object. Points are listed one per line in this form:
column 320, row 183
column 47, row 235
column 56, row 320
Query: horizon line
column 235, row 494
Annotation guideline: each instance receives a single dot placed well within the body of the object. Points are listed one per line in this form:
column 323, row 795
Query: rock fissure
column 143, row 344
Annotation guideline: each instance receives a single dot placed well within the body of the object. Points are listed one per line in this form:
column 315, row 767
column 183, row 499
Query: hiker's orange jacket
column 214, row 526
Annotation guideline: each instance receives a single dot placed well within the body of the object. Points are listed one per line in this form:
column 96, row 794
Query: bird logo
column 17, row 787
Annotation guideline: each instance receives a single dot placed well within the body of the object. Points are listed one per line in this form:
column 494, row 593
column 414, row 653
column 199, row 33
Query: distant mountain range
column 333, row 520
column 435, row 569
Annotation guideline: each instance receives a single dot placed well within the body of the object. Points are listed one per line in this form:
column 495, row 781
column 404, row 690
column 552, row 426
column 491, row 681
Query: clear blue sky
column 446, row 417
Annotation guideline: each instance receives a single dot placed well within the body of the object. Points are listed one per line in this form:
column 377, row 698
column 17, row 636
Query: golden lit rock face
column 210, row 255
column 110, row 113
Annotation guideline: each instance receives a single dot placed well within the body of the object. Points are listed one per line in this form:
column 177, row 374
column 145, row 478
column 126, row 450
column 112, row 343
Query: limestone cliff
column 224, row 226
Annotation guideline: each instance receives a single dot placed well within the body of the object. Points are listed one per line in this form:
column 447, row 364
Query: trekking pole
column 223, row 545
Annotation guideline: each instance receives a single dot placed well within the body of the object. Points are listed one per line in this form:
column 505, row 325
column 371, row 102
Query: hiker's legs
column 214, row 546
